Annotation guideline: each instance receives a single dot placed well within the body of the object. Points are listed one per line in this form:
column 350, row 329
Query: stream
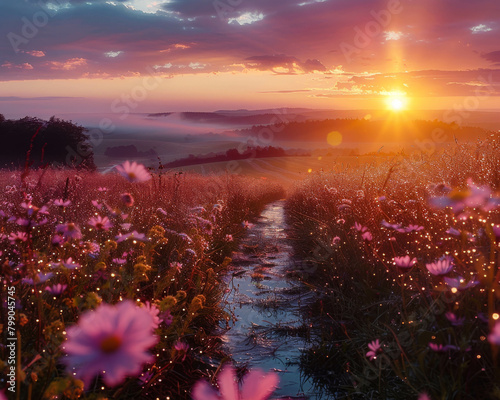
column 269, row 332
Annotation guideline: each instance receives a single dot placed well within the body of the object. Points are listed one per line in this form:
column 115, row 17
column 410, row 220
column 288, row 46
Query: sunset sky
column 60, row 56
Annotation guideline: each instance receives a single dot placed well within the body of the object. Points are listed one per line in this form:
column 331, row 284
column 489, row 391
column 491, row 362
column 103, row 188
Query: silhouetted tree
column 55, row 142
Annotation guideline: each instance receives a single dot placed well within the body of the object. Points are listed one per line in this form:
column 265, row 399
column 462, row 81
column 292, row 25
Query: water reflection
column 269, row 332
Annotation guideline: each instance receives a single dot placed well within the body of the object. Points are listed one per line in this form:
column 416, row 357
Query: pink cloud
column 68, row 65
column 9, row 65
column 35, row 53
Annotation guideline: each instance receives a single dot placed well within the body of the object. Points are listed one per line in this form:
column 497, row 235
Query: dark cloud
column 65, row 2
column 78, row 40
column 493, row 56
column 282, row 64
column 227, row 8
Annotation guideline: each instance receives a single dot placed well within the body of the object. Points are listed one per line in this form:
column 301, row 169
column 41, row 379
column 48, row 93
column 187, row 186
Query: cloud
column 282, row 64
column 68, row 65
column 10, row 65
column 46, row 98
column 477, row 83
column 287, row 91
column 35, row 53
column 493, row 56
column 281, row 36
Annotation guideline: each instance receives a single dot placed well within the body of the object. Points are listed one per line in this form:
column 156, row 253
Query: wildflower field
column 113, row 284
column 405, row 260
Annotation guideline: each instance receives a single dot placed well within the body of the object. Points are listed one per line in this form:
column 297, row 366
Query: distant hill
column 367, row 131
column 129, row 151
column 220, row 118
column 234, row 154
column 484, row 119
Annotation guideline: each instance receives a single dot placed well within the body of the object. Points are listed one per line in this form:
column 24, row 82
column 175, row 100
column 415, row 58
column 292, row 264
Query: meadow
column 405, row 259
column 114, row 283
column 158, row 246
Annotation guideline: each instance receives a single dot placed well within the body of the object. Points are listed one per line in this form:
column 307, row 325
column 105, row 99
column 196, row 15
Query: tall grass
column 434, row 337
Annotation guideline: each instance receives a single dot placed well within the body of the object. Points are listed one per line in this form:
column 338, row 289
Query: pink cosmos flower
column 359, row 227
column 438, row 348
column 389, row 225
column 460, row 283
column 405, row 262
column 412, row 228
column 494, row 336
column 56, row 290
column 69, row 231
column 39, row 278
column 95, row 203
column 367, row 236
column 247, row 225
column 423, row 396
column 111, row 340
column 181, row 346
column 134, row 235
column 126, row 226
column 177, row 265
column 335, row 241
column 100, row 223
column 18, row 238
column 62, row 203
column 455, row 321
column 256, row 386
column 375, row 348
column 440, row 267
column 473, row 197
column 70, row 264
column 229, row 238
column 453, row 231
column 133, row 172
column 166, row 318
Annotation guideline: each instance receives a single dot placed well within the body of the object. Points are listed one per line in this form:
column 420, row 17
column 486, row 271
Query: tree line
column 33, row 142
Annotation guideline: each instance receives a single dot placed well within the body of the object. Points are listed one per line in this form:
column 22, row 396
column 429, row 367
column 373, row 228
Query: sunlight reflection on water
column 264, row 303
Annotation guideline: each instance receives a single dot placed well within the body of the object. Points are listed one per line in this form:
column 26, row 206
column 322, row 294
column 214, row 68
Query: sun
column 396, row 103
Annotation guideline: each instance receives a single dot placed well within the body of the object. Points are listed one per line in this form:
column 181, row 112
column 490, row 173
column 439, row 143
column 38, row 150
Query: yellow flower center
column 111, row 344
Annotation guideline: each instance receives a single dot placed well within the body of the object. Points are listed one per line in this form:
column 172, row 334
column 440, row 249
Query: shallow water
column 263, row 307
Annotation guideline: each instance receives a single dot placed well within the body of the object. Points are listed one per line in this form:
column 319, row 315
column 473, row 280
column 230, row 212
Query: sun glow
column 396, row 103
